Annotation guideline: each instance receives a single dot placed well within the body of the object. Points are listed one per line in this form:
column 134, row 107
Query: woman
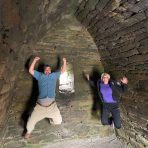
column 109, row 92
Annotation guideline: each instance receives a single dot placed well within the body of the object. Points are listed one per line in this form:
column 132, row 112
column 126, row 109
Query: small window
column 66, row 83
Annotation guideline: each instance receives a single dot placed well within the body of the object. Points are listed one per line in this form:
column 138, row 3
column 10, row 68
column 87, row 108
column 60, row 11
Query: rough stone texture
column 118, row 27
column 79, row 127
column 22, row 24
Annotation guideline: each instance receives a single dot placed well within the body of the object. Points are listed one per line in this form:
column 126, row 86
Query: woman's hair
column 105, row 74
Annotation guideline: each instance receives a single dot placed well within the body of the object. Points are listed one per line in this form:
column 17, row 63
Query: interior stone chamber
column 94, row 35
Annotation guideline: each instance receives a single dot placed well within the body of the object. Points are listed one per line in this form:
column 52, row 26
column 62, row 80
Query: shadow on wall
column 30, row 104
column 96, row 109
column 33, row 96
column 95, row 75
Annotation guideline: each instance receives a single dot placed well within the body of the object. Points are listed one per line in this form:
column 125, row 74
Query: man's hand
column 31, row 69
column 36, row 59
column 64, row 60
column 124, row 80
column 63, row 68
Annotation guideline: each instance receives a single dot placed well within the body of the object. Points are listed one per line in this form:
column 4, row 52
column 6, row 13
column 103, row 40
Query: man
column 46, row 106
column 109, row 93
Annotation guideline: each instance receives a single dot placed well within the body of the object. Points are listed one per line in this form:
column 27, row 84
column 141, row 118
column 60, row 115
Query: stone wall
column 70, row 40
column 22, row 24
column 9, row 21
column 118, row 27
column 120, row 30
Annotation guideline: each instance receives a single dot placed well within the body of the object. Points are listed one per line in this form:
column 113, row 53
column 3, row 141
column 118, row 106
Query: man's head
column 105, row 77
column 47, row 69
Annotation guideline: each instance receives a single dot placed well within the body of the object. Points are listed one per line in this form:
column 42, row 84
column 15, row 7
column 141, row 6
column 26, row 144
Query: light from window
column 66, row 83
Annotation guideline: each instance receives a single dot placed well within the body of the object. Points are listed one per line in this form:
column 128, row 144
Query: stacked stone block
column 119, row 29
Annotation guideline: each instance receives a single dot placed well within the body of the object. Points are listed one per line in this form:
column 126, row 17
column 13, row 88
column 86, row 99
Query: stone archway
column 117, row 27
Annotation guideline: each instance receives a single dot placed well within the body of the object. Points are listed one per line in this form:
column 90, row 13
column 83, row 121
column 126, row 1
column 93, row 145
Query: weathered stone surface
column 143, row 84
column 121, row 34
column 5, row 102
column 2, row 69
column 77, row 125
column 49, row 29
column 138, row 58
column 1, row 83
column 11, row 18
column 5, row 88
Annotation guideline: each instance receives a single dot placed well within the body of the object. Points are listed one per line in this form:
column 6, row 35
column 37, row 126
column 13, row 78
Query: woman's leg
column 105, row 116
column 116, row 117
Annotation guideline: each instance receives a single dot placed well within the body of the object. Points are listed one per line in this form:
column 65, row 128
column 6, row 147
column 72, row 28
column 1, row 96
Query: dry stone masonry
column 95, row 36
column 120, row 30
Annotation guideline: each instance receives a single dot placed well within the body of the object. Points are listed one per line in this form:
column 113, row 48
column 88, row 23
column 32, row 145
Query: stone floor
column 79, row 128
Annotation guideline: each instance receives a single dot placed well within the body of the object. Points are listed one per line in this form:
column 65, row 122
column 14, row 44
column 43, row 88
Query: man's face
column 105, row 79
column 47, row 70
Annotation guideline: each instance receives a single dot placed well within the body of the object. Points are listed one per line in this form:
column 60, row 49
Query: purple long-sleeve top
column 106, row 92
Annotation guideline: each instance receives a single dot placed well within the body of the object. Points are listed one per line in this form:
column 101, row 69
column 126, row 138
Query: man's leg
column 116, row 117
column 105, row 116
column 36, row 116
column 54, row 115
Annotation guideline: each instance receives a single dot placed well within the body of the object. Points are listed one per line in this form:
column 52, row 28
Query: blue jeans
column 112, row 108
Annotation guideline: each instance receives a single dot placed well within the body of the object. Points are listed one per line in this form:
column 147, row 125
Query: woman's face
column 105, row 79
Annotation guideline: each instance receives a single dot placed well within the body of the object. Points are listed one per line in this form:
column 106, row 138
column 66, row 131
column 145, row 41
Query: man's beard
column 47, row 73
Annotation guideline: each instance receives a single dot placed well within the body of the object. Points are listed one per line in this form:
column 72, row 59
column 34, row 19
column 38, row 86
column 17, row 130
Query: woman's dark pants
column 112, row 108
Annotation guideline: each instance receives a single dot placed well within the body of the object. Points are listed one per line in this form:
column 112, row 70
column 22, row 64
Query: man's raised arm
column 31, row 68
column 63, row 68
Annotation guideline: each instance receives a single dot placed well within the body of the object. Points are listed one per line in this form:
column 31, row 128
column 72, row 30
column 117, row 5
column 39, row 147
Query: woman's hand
column 87, row 77
column 124, row 80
